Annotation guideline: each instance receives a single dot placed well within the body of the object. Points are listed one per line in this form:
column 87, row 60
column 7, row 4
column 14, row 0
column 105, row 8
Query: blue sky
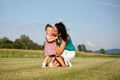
column 95, row 23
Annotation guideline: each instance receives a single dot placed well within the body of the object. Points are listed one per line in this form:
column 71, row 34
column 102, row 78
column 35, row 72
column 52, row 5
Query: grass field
column 28, row 67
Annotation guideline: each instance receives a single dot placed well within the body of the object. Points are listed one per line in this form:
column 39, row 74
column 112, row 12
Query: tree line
column 24, row 42
column 82, row 47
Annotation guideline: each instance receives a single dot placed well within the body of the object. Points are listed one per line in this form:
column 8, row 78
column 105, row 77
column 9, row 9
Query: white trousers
column 68, row 55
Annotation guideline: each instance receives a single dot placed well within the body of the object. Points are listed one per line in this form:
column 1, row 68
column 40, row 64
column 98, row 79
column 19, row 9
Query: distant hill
column 110, row 51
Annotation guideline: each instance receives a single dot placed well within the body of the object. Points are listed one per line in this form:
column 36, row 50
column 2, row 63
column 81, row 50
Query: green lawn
column 84, row 68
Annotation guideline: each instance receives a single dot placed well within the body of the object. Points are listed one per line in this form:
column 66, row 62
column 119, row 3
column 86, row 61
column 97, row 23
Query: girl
column 49, row 50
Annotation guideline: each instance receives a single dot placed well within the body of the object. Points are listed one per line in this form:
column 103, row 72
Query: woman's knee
column 61, row 61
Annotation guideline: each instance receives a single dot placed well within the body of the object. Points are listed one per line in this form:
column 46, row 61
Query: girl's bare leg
column 45, row 61
column 52, row 59
column 51, row 62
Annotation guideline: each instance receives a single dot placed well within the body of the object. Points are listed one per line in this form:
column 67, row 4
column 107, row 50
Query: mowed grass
column 84, row 68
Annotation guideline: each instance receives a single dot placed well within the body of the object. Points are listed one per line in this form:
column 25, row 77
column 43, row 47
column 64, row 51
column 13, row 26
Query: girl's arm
column 59, row 50
column 50, row 38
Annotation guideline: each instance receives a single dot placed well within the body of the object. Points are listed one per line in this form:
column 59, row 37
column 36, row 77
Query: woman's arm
column 59, row 50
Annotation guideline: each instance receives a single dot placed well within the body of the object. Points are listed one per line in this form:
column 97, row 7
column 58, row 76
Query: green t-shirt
column 69, row 44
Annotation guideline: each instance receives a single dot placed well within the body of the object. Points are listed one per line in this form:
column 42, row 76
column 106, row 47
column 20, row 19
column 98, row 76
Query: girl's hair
column 62, row 30
column 48, row 25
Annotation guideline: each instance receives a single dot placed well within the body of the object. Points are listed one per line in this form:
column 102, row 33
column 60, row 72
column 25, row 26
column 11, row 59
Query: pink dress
column 49, row 49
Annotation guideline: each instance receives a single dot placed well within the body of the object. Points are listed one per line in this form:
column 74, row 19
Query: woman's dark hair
column 62, row 30
column 48, row 25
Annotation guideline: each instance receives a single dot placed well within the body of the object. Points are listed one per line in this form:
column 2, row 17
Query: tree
column 18, row 44
column 24, row 42
column 102, row 51
column 81, row 47
column 27, row 43
column 6, row 43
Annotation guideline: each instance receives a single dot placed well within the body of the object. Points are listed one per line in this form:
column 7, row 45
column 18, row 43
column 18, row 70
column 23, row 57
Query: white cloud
column 110, row 4
column 19, row 25
column 89, row 43
column 23, row 25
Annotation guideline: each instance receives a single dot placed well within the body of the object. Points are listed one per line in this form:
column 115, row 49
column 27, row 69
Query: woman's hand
column 59, row 50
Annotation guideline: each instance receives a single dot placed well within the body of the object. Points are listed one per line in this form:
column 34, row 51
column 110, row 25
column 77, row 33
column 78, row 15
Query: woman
column 64, row 47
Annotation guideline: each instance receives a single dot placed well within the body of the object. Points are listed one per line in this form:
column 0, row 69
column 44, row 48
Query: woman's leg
column 61, row 61
column 56, row 63
column 68, row 56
